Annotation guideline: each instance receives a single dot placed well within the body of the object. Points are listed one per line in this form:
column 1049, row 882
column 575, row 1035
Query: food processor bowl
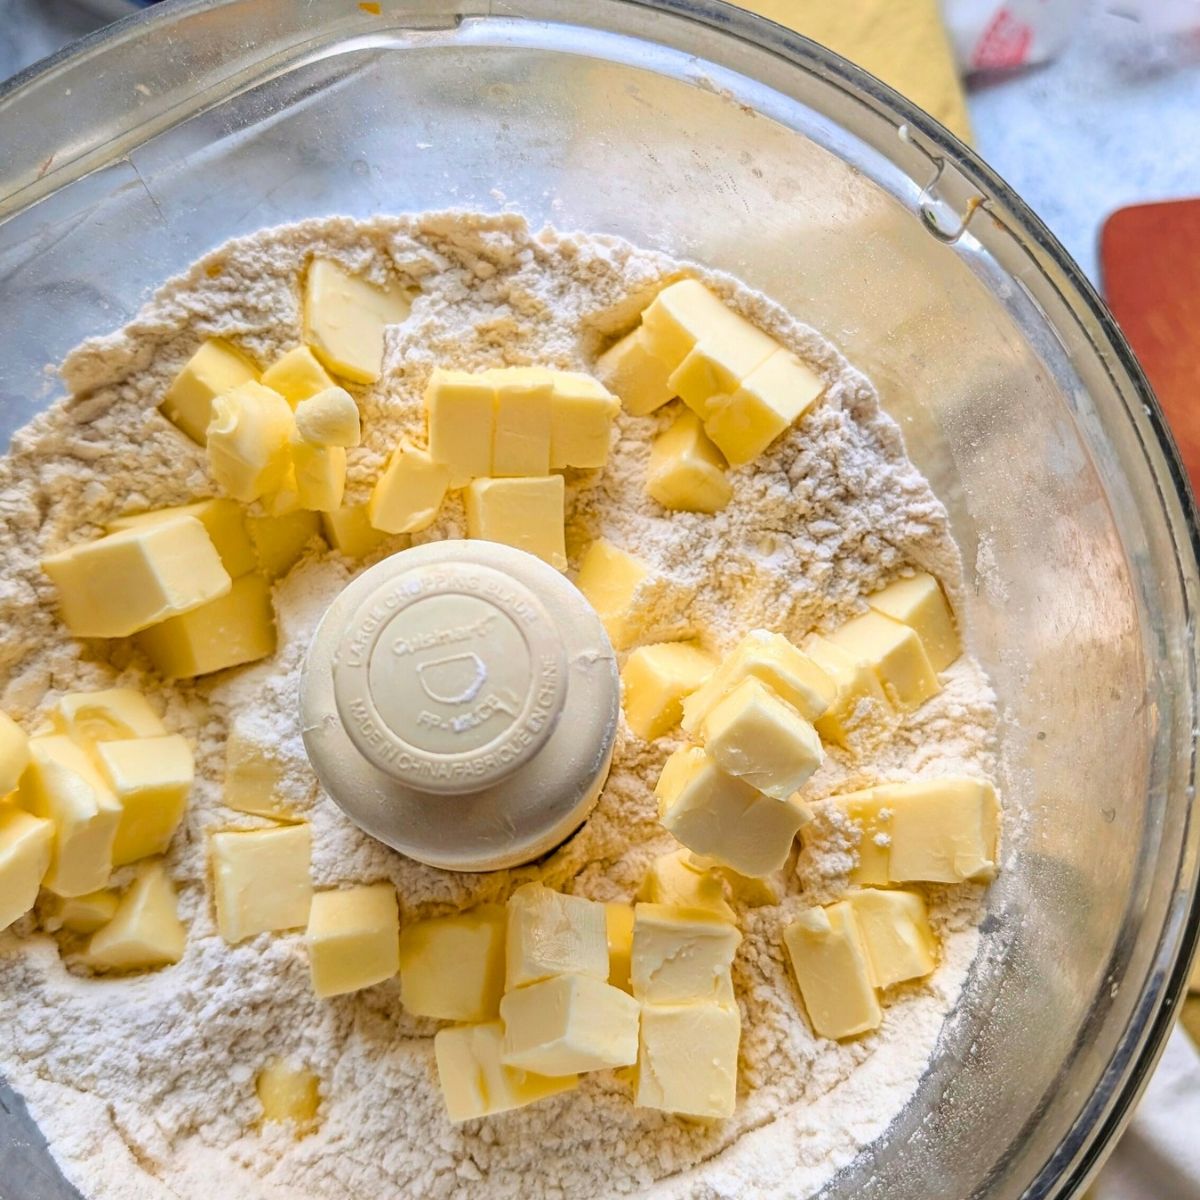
column 690, row 126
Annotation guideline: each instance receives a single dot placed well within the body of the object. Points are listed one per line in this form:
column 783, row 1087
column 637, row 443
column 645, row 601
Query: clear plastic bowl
column 692, row 127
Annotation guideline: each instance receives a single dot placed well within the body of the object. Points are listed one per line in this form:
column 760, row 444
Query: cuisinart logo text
column 443, row 637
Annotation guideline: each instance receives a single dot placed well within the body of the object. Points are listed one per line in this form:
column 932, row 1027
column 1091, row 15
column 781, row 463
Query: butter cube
column 675, row 879
column 280, row 541
column 238, row 628
column 452, row 967
column 772, row 658
column 550, row 933
column 829, row 958
column 754, row 735
column 63, row 786
column 409, row 493
column 285, row 499
column 521, row 435
column 320, row 475
column 84, row 914
column 224, row 521
column 345, row 318
column 353, row 938
column 120, row 583
column 14, row 753
column 687, row 1059
column 655, row 680
column 611, row 580
column 297, row 375
column 261, row 880
column 686, row 470
column 681, row 955
column 581, row 417
column 942, row 830
column 681, row 315
column 26, row 844
column 462, row 417
column 251, row 779
column 288, row 1092
column 350, row 532
column 618, row 919
column 918, row 602
column 859, row 693
column 873, row 817
column 894, row 653
column 114, row 715
column 632, row 370
column 716, row 365
column 895, row 931
column 723, row 817
column 145, row 930
column 753, row 891
column 248, row 441
column 151, row 778
column 525, row 513
column 329, row 418
column 216, row 368
column 769, row 400
column 475, row 1083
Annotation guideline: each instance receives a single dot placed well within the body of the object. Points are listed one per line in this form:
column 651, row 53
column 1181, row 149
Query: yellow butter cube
column 452, row 967
column 329, row 418
column 521, row 435
column 297, row 375
column 675, row 879
column 350, row 532
column 687, row 472
column 723, row 817
column 83, row 914
column 568, row 1024
column 320, row 475
column 14, row 753
column 223, row 519
column 26, row 844
column 716, row 365
column 753, row 891
column 248, row 441
column 681, row 955
column 474, row 1080
column 859, row 698
column 251, row 779
column 280, row 541
column 618, row 919
column 769, row 400
column 345, row 318
column 285, row 499
column 681, row 315
column 151, row 777
column 770, row 657
column 756, row 736
column 895, row 931
column 116, row 714
column 353, row 938
column 145, row 931
column 462, row 417
column 62, row 785
column 654, row 682
column 873, row 818
column 261, row 880
column 687, row 1059
column 581, row 418
column 120, row 583
column 216, row 368
column 409, row 493
column 525, row 513
column 918, row 602
column 611, row 581
column 550, row 933
column 894, row 653
column 288, row 1093
column 238, row 628
column 632, row 370
column 830, row 961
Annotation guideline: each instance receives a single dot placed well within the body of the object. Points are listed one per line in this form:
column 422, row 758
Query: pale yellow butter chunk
column 285, row 499
column 610, row 580
column 550, row 933
column 452, row 967
column 830, row 961
column 462, row 418
column 151, row 778
column 345, row 318
column 918, row 602
column 249, row 438
column 407, row 496
column 145, row 931
column 687, row 472
column 942, row 830
column 525, row 513
column 329, row 418
column 756, row 736
column 84, row 914
column 681, row 955
column 894, row 653
column 521, row 434
column 62, row 785
column 113, row 715
column 120, row 583
column 687, row 1059
column 261, row 880
column 474, row 1080
column 618, row 918
column 288, row 1093
column 676, row 880
column 350, row 532
column 632, row 370
column 753, row 891
column 224, row 520
column 722, row 817
column 216, row 368
column 26, row 844
column 252, row 777
column 297, row 375
column 859, row 696
column 581, row 418
column 353, row 938
column 320, row 475
column 280, row 541
column 238, row 628
column 654, row 682
column 771, row 658
column 715, row 367
column 681, row 315
column 895, row 931
column 14, row 753
column 873, row 819
column 769, row 401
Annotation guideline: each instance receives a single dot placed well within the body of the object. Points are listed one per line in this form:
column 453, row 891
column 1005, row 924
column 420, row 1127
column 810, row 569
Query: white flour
column 144, row 1086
